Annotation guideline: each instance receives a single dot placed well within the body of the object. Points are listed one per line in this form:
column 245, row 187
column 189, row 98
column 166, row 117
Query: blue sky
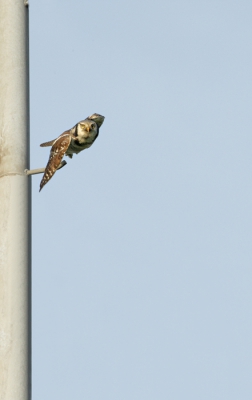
column 142, row 243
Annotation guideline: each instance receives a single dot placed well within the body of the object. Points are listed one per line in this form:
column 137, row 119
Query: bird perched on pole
column 70, row 142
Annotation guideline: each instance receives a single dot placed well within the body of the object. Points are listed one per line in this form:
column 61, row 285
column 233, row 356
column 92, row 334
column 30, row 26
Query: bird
column 70, row 142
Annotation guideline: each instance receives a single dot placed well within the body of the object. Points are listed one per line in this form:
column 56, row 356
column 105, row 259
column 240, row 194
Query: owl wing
column 47, row 143
column 50, row 143
column 97, row 118
column 58, row 150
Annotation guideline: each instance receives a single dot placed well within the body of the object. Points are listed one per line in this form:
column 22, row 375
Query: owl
column 70, row 142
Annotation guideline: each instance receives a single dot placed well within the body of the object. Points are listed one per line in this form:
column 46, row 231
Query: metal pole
column 15, row 204
column 42, row 170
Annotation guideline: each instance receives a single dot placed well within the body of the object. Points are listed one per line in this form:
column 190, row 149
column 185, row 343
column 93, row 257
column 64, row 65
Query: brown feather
column 47, row 143
column 58, row 150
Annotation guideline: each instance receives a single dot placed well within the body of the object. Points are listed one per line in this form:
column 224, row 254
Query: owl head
column 86, row 129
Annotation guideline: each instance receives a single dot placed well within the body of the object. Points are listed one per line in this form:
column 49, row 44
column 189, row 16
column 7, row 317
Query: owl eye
column 92, row 126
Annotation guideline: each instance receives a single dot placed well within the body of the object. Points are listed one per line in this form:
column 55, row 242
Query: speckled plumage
column 70, row 142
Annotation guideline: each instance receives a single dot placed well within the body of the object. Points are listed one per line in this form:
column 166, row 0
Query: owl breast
column 78, row 145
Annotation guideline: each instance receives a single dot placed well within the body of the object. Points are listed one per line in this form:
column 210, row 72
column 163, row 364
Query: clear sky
column 142, row 244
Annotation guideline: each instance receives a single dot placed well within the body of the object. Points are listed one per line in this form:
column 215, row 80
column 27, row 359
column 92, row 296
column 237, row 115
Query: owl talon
column 62, row 164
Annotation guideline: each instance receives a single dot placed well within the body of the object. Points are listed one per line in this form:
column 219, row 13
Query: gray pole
column 15, row 204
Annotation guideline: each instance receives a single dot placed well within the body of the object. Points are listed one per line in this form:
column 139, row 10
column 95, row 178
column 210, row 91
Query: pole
column 15, row 204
